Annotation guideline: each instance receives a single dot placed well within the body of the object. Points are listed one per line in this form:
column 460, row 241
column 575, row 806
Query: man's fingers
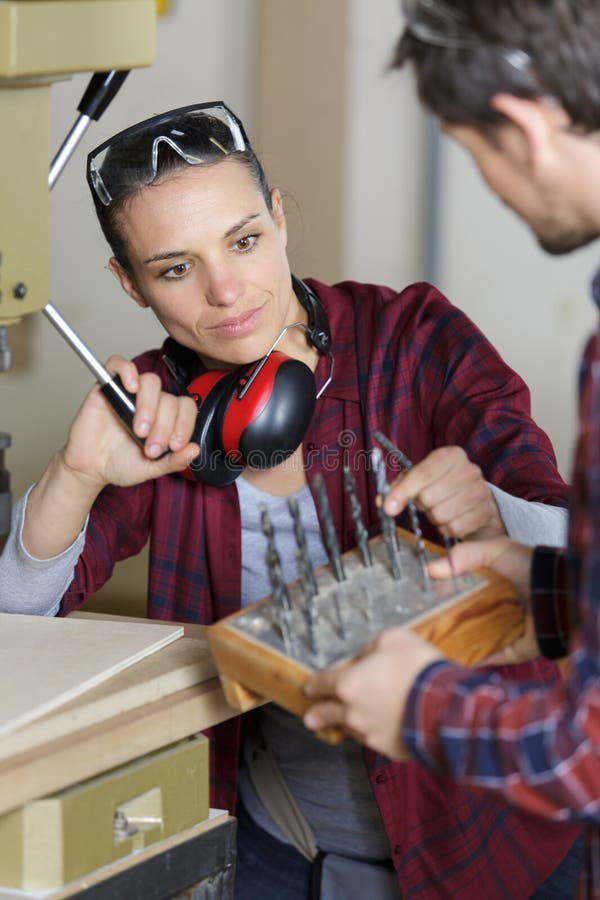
column 325, row 714
column 462, row 558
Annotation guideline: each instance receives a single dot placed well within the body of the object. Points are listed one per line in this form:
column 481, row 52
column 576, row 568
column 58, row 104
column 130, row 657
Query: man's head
column 518, row 83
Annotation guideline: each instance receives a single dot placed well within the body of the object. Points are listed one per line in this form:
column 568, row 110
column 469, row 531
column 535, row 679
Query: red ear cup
column 261, row 428
column 266, row 425
column 212, row 466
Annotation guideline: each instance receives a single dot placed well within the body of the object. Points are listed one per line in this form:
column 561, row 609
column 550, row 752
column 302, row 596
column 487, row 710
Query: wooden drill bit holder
column 467, row 618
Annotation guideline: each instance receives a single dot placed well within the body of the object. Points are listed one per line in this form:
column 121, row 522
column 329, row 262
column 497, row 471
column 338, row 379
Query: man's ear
column 126, row 281
column 278, row 214
column 537, row 119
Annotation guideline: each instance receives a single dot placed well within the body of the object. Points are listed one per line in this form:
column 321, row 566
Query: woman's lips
column 235, row 326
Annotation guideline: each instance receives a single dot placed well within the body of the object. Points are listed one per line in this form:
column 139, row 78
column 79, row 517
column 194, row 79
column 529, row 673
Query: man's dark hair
column 560, row 37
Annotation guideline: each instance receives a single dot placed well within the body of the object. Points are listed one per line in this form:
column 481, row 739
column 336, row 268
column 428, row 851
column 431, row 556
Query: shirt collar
column 341, row 318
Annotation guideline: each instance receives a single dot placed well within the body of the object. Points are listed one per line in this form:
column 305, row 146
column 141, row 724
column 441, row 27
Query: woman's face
column 209, row 258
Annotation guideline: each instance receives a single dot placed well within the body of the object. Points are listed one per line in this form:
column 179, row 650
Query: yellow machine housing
column 42, row 41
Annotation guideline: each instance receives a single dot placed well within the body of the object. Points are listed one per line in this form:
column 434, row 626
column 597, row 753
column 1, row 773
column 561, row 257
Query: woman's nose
column 223, row 289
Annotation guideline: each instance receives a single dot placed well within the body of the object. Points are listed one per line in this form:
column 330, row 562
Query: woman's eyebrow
column 239, row 225
column 173, row 254
column 168, row 254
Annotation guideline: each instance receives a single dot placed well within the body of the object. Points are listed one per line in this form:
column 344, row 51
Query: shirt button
column 230, row 554
column 381, row 778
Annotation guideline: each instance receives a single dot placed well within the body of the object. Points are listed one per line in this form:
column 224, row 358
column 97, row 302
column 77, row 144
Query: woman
column 198, row 237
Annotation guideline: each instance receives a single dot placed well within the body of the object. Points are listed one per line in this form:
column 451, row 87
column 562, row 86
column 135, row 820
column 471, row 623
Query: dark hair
column 130, row 163
column 561, row 38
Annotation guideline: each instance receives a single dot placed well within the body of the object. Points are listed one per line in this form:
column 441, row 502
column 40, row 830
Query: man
column 518, row 84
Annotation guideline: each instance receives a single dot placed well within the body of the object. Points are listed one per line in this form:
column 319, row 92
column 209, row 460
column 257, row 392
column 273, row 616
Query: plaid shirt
column 538, row 746
column 416, row 367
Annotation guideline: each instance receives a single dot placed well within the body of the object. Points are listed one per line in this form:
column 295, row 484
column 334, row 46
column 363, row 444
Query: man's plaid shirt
column 536, row 745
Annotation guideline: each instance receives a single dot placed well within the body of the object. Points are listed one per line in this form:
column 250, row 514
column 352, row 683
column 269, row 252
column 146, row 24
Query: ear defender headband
column 258, row 413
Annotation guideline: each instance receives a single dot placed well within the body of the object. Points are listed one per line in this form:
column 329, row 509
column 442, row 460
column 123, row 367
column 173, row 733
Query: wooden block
column 46, row 661
column 467, row 620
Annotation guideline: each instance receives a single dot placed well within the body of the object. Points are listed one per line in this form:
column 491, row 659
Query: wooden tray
column 467, row 618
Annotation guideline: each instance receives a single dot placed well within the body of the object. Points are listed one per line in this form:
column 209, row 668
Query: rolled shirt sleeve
column 33, row 586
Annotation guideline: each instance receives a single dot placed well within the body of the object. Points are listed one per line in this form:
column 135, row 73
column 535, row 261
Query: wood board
column 467, row 622
column 181, row 664
column 46, row 662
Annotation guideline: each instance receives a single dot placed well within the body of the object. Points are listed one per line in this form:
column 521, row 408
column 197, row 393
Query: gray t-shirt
column 329, row 783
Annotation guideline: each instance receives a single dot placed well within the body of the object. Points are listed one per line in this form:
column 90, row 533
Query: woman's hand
column 100, row 450
column 452, row 492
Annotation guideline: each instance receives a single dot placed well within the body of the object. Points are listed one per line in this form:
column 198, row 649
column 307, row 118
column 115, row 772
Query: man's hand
column 452, row 493
column 510, row 559
column 366, row 697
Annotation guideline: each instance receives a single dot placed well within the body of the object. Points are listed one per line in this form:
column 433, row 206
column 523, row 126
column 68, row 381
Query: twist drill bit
column 421, row 552
column 306, row 576
column 388, row 527
column 301, row 544
column 333, row 547
column 279, row 589
column 406, row 463
column 360, row 532
column 331, row 541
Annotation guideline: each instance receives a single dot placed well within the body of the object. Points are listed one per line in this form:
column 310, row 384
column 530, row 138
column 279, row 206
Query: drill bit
column 306, row 577
column 388, row 527
column 360, row 532
column 300, row 535
column 279, row 589
column 407, row 464
column 333, row 547
column 331, row 541
column 421, row 552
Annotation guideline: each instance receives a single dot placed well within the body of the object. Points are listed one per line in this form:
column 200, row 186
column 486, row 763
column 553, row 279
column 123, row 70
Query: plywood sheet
column 183, row 664
column 45, row 662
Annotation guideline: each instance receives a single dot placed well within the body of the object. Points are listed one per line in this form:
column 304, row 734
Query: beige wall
column 300, row 123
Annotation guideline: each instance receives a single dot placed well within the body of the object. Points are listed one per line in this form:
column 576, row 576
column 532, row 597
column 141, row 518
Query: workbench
column 164, row 699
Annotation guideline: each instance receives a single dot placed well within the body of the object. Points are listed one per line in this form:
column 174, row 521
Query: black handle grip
column 122, row 402
column 102, row 88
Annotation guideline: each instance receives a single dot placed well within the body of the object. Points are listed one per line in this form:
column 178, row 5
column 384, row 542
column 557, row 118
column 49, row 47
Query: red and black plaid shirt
column 418, row 369
column 539, row 747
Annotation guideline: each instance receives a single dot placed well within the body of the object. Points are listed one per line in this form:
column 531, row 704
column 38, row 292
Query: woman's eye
column 247, row 243
column 177, row 271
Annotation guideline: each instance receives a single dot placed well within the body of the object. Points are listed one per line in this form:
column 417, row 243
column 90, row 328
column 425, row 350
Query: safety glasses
column 199, row 134
column 439, row 24
column 434, row 22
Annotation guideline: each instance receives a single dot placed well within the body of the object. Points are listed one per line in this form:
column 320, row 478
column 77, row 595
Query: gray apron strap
column 277, row 798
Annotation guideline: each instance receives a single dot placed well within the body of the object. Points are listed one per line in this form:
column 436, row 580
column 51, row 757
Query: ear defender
column 255, row 415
